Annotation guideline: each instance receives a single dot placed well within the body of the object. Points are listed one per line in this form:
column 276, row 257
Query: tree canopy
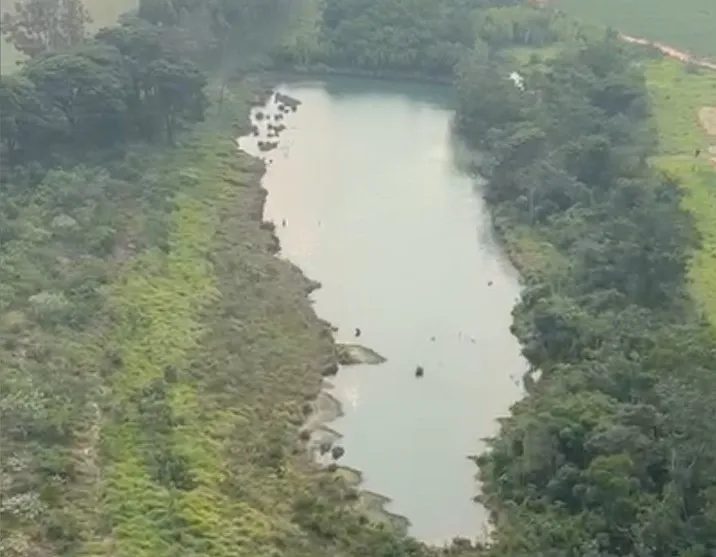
column 596, row 460
column 108, row 272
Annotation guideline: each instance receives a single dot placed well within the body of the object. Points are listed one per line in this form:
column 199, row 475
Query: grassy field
column 689, row 24
column 678, row 93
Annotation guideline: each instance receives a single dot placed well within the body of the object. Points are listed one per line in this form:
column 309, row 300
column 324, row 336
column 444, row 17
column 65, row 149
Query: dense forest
column 608, row 455
column 140, row 311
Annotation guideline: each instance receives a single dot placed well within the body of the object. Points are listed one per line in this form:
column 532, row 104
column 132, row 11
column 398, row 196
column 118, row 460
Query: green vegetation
column 605, row 456
column 399, row 36
column 158, row 360
column 678, row 93
column 687, row 25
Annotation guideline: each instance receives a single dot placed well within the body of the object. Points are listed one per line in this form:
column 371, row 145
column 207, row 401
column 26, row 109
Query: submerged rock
column 351, row 354
column 329, row 369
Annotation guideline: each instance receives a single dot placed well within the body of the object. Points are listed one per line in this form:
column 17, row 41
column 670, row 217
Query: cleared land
column 682, row 96
column 689, row 24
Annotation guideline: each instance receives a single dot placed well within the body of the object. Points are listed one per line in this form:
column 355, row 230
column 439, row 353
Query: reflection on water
column 376, row 210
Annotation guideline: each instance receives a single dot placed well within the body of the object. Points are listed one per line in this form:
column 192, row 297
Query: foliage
column 596, row 460
column 122, row 86
column 157, row 361
column 678, row 93
column 418, row 36
column 157, row 357
column 40, row 26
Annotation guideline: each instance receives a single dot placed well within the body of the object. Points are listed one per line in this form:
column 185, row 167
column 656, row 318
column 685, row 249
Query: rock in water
column 351, row 354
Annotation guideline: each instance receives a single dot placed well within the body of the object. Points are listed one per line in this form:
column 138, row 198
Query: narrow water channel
column 376, row 210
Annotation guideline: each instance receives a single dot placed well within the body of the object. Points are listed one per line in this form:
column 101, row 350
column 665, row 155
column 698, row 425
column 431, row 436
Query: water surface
column 377, row 211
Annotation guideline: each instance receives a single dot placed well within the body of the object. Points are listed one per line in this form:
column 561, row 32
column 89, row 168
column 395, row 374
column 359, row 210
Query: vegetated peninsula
column 158, row 360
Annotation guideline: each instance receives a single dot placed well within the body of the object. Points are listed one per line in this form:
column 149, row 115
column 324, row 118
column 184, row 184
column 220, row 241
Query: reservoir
column 367, row 200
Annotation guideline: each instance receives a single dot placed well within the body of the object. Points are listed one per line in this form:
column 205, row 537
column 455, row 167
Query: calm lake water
column 377, row 211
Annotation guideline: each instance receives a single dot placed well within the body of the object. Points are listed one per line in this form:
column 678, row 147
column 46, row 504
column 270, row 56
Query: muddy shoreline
column 316, row 434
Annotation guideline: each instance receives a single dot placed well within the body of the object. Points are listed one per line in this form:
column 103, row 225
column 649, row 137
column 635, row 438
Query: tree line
column 609, row 454
column 137, row 81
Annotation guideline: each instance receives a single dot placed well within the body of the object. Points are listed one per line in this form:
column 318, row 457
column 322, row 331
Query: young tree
column 177, row 93
column 39, row 26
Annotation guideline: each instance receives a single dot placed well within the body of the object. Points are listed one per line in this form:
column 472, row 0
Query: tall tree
column 25, row 120
column 89, row 87
column 39, row 26
column 177, row 89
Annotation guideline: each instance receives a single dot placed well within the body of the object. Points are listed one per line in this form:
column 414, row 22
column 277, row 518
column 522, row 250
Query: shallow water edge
column 316, row 433
column 468, row 370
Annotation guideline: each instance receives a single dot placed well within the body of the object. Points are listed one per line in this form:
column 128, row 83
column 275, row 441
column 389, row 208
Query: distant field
column 686, row 24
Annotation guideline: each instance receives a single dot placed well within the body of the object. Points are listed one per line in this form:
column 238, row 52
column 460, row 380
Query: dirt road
column 671, row 52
